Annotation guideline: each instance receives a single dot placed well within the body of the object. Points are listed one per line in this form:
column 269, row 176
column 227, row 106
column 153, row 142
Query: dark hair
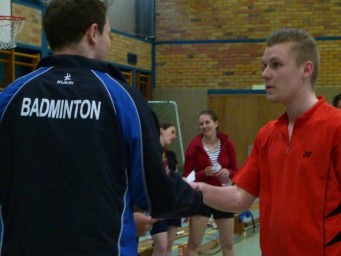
column 336, row 99
column 209, row 113
column 166, row 125
column 66, row 21
column 304, row 46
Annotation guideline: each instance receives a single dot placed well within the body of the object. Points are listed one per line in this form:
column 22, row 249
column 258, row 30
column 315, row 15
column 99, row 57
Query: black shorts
column 162, row 225
column 208, row 211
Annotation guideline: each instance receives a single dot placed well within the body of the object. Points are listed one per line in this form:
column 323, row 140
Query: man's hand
column 143, row 223
column 195, row 185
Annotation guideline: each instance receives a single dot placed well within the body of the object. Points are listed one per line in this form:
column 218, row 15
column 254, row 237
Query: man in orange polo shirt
column 295, row 165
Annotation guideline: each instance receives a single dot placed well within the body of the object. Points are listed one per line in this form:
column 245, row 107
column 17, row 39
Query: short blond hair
column 304, row 46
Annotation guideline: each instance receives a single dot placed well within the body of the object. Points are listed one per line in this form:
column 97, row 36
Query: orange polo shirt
column 298, row 183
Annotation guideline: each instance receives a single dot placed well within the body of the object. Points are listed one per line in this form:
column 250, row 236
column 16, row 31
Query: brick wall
column 209, row 65
column 223, row 51
column 32, row 32
column 121, row 44
column 218, row 44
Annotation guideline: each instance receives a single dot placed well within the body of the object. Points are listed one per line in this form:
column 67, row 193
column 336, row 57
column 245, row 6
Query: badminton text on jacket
column 61, row 109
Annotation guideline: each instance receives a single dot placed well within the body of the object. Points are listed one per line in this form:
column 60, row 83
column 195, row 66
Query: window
column 133, row 16
column 143, row 84
column 139, row 80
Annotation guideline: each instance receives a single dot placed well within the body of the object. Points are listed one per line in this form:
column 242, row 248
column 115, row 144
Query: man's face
column 103, row 46
column 281, row 74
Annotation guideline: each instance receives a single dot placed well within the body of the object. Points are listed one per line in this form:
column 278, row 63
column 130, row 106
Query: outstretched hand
column 195, row 185
column 143, row 223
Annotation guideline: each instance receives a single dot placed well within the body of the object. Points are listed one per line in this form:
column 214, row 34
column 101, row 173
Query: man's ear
column 92, row 33
column 308, row 69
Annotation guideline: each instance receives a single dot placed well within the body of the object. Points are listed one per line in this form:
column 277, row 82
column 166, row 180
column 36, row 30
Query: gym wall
column 214, row 45
column 31, row 36
column 219, row 44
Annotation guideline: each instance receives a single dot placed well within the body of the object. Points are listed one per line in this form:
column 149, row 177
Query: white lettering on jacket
column 61, row 109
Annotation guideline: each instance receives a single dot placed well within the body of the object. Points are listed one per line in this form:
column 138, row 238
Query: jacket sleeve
column 190, row 160
column 169, row 196
column 6, row 164
column 200, row 175
column 191, row 163
column 233, row 167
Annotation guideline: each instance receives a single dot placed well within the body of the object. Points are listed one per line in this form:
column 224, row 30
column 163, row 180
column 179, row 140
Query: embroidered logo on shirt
column 67, row 79
column 307, row 153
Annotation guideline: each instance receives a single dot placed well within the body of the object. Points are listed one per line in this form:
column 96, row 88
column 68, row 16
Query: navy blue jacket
column 78, row 149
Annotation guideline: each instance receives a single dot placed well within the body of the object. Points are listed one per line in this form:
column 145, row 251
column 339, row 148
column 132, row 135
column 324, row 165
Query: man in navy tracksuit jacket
column 79, row 149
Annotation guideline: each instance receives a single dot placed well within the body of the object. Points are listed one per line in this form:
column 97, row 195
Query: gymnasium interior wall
column 190, row 102
column 218, row 45
column 32, row 32
column 212, row 45
column 31, row 37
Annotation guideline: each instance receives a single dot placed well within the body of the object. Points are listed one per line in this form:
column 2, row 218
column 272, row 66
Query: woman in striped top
column 212, row 156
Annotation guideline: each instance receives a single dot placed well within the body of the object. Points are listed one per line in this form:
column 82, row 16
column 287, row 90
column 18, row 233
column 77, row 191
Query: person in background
column 79, row 148
column 337, row 101
column 212, row 156
column 295, row 164
column 164, row 231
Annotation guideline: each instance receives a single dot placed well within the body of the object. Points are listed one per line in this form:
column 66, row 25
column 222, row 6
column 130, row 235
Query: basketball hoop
column 10, row 26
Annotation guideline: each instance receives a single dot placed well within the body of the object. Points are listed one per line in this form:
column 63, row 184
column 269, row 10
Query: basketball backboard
column 5, row 10
column 10, row 26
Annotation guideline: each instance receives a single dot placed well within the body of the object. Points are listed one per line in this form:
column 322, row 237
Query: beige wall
column 190, row 102
column 241, row 120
